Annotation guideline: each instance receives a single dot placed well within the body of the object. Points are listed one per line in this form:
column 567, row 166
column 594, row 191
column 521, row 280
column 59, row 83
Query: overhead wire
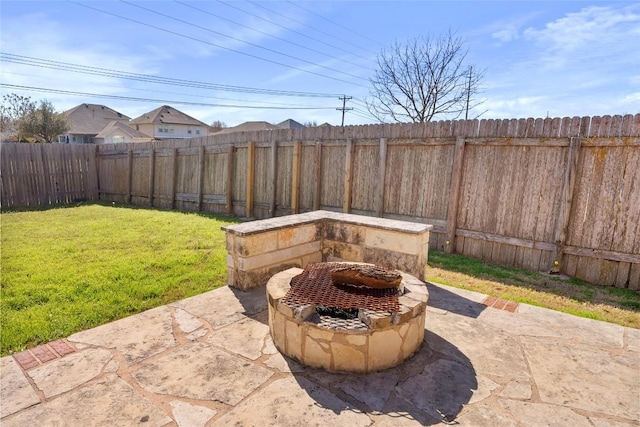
column 315, row 29
column 295, row 31
column 65, row 66
column 297, row 4
column 158, row 91
column 162, row 101
column 242, row 41
column 268, row 34
column 213, row 44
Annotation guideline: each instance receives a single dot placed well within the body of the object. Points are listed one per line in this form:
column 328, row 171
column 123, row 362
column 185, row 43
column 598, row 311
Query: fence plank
column 348, row 176
column 251, row 150
column 454, row 195
column 295, row 177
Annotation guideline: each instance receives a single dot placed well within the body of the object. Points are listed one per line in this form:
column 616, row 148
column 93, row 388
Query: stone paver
column 136, row 337
column 107, row 403
column 69, row 372
column 15, row 391
column 200, row 371
column 209, row 361
column 187, row 415
column 294, row 402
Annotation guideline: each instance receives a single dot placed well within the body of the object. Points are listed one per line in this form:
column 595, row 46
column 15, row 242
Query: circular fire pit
column 344, row 328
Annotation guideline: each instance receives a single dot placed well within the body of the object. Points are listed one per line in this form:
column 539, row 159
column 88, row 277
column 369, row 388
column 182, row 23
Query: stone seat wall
column 259, row 249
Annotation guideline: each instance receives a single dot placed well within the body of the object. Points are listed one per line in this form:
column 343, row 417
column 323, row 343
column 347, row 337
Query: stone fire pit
column 368, row 333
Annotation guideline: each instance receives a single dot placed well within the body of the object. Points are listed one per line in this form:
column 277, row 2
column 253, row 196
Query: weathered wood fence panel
column 43, row 174
column 520, row 192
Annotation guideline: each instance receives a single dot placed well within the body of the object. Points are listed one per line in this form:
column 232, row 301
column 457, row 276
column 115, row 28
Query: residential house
column 290, row 124
column 87, row 121
column 249, row 127
column 168, row 123
column 256, row 126
column 119, row 132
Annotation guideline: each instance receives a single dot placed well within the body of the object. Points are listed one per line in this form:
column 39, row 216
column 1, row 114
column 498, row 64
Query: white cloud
column 593, row 33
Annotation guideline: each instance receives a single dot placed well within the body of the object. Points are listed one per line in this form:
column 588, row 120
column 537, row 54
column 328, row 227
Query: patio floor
column 209, row 360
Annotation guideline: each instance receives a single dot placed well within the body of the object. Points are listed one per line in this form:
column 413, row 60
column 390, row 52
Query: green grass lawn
column 569, row 295
column 68, row 269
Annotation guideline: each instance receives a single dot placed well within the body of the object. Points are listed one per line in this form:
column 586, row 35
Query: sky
column 236, row 61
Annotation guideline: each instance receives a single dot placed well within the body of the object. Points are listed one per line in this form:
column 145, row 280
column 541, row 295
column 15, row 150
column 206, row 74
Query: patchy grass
column 68, row 269
column 568, row 295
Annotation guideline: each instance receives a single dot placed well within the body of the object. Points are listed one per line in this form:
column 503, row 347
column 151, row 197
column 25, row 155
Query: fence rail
column 523, row 193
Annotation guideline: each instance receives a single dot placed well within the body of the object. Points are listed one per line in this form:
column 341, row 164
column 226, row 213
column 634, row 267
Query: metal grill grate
column 314, row 286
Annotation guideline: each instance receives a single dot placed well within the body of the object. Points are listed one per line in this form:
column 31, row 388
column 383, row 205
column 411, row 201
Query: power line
column 269, row 35
column 162, row 92
column 297, row 4
column 242, row 41
column 296, row 32
column 83, row 69
column 315, row 29
column 213, row 44
column 161, row 101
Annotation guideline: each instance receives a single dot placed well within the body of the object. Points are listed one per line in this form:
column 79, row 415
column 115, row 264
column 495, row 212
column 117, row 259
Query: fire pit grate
column 313, row 286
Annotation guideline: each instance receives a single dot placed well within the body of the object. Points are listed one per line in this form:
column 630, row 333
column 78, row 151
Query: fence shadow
column 446, row 300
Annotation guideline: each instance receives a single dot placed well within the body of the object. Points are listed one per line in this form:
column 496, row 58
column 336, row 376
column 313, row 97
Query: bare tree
column 218, row 125
column 424, row 78
column 13, row 109
column 44, row 122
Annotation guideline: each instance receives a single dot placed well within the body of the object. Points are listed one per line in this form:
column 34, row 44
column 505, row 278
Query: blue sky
column 555, row 58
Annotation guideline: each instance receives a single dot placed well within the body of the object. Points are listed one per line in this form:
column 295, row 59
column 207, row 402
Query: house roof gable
column 123, row 127
column 90, row 119
column 167, row 115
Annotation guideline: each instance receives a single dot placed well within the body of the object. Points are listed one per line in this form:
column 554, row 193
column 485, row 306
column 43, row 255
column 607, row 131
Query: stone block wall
column 259, row 249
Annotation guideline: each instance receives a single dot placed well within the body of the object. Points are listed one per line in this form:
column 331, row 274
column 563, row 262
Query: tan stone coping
column 272, row 224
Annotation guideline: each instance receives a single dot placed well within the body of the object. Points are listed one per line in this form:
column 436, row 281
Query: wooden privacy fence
column 523, row 193
column 33, row 175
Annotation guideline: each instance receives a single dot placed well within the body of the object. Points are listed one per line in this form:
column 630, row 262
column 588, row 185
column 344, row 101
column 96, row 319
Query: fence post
column 129, row 174
column 295, row 177
column 152, row 164
column 382, row 172
column 174, row 177
column 229, row 179
column 95, row 190
column 348, row 176
column 454, row 194
column 274, row 178
column 251, row 152
column 564, row 210
column 200, row 176
column 318, row 176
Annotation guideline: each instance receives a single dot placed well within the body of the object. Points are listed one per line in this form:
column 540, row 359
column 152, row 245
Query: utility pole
column 344, row 108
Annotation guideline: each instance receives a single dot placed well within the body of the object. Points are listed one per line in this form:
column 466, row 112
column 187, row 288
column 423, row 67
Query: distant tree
column 44, row 122
column 422, row 79
column 218, row 125
column 311, row 124
column 13, row 109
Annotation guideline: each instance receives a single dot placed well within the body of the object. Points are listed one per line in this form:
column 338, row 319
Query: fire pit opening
column 347, row 317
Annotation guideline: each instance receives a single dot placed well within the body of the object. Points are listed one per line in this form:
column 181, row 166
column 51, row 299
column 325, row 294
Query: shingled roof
column 169, row 115
column 122, row 127
column 90, row 119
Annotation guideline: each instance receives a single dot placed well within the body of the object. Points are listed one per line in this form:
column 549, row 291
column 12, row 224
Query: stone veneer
column 389, row 339
column 257, row 250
